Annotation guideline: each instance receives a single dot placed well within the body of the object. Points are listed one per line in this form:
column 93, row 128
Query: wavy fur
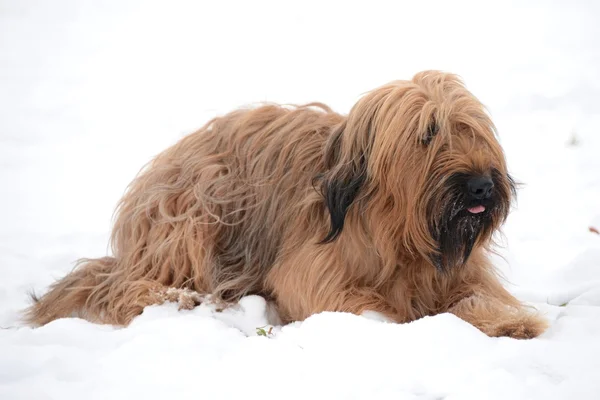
column 316, row 211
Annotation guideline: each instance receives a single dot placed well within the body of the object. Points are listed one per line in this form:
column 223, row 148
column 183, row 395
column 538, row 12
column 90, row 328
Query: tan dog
column 390, row 209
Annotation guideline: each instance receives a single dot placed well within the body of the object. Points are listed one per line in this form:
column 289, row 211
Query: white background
column 92, row 90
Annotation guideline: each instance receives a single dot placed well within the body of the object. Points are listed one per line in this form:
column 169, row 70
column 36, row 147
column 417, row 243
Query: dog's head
column 421, row 160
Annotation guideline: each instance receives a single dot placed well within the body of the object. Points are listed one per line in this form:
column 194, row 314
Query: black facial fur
column 455, row 229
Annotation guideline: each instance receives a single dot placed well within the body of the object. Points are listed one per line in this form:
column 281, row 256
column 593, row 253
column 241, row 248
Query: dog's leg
column 362, row 301
column 476, row 295
column 317, row 287
column 496, row 318
column 135, row 296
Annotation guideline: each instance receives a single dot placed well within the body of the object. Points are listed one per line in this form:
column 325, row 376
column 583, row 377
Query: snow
column 90, row 91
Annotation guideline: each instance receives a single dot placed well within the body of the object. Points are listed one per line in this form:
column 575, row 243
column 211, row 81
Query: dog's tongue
column 477, row 209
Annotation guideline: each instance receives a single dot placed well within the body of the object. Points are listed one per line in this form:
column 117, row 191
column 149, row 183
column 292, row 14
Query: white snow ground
column 90, row 90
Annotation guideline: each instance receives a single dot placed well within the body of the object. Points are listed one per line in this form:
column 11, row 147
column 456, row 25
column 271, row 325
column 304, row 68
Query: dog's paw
column 187, row 299
column 522, row 327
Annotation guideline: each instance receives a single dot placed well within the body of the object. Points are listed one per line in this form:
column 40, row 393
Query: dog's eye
column 432, row 130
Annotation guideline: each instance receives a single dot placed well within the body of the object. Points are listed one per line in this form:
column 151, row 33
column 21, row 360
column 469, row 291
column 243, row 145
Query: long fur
column 315, row 211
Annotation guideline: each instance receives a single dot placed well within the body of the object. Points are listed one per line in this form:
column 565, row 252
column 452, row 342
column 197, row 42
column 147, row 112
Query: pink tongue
column 476, row 209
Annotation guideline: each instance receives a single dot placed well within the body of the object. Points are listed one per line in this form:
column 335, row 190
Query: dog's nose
column 480, row 187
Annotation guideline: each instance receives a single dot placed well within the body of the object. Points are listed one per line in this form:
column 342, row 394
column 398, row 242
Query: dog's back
column 208, row 214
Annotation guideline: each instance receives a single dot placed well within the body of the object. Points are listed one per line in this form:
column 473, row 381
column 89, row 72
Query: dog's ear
column 341, row 183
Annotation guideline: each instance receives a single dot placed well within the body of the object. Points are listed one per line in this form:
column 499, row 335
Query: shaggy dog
column 390, row 209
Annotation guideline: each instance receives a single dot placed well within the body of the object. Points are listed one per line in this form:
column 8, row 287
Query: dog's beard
column 459, row 224
column 458, row 233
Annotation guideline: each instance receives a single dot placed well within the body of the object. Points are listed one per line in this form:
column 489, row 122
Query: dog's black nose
column 480, row 187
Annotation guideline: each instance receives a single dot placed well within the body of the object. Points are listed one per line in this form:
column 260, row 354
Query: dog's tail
column 72, row 295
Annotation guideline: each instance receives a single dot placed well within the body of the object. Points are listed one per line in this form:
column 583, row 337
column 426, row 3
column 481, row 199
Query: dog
column 391, row 209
